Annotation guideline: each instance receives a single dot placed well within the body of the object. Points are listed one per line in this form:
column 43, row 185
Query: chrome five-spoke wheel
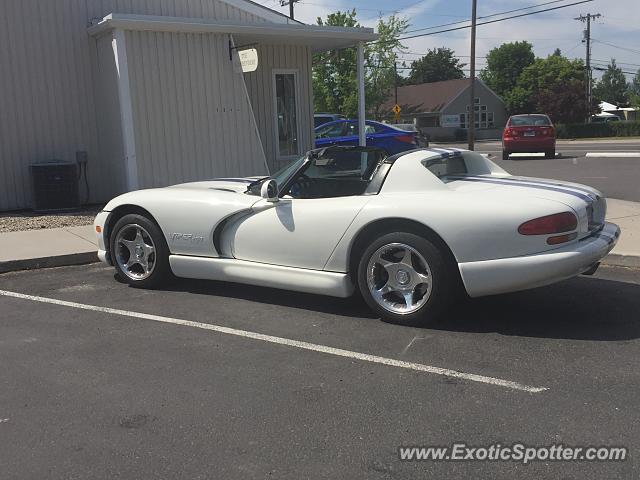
column 135, row 252
column 399, row 278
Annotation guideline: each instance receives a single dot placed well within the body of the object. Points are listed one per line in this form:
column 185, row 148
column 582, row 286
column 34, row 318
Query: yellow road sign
column 396, row 109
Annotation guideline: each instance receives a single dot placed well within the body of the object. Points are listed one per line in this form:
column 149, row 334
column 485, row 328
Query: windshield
column 280, row 176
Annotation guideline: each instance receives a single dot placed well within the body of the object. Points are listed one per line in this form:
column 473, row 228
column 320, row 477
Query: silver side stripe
column 554, row 184
column 515, row 183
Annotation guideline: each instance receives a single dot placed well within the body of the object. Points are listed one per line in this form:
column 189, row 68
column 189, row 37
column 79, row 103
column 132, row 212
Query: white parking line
column 613, row 154
column 288, row 342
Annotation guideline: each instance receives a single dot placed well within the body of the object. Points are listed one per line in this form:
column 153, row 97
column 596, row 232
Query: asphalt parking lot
column 616, row 177
column 92, row 393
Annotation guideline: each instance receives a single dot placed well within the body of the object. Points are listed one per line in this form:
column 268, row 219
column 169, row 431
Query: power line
column 426, row 53
column 617, row 46
column 485, row 16
column 496, row 20
column 381, row 10
column 604, row 69
column 606, row 62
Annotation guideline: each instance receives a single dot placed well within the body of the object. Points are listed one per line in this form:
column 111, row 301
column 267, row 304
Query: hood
column 586, row 202
column 232, row 184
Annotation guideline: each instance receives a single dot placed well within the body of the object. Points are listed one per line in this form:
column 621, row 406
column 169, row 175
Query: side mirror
column 269, row 191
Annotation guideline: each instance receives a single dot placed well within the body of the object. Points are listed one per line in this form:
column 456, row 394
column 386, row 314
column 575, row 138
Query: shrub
column 590, row 130
column 460, row 134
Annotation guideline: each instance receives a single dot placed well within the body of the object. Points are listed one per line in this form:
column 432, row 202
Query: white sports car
column 408, row 231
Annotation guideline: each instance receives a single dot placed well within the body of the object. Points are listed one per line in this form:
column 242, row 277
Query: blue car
column 386, row 137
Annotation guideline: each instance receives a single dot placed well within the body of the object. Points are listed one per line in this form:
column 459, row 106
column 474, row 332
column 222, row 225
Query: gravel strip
column 25, row 220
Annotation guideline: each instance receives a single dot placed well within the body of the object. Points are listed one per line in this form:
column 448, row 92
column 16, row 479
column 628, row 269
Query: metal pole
column 472, row 75
column 361, row 100
column 587, row 40
column 395, row 80
column 395, row 83
column 588, row 63
column 290, row 3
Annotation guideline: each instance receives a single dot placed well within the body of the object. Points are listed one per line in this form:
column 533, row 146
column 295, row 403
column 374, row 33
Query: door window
column 331, row 131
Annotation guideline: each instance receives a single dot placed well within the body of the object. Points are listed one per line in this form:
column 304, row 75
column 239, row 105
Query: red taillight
column 510, row 132
column 547, row 131
column 557, row 223
column 407, row 139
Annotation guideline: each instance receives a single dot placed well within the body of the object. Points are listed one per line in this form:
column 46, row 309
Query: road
column 614, row 177
column 92, row 393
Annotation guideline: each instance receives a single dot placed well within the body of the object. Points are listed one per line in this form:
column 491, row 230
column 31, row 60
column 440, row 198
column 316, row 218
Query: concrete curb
column 614, row 260
column 49, row 262
column 612, row 155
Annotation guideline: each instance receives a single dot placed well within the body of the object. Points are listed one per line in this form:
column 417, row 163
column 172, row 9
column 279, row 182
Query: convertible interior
column 336, row 173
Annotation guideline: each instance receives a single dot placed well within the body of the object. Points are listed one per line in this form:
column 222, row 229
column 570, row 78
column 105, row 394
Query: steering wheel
column 300, row 186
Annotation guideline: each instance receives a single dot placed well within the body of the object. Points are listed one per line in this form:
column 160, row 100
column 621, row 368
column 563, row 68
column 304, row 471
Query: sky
column 618, row 28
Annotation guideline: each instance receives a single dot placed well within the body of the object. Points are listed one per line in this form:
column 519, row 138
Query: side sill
column 263, row 275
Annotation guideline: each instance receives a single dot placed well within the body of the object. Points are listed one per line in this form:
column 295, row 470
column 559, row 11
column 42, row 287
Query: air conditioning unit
column 55, row 186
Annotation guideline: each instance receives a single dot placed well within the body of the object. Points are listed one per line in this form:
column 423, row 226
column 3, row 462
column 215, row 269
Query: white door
column 295, row 232
column 316, row 207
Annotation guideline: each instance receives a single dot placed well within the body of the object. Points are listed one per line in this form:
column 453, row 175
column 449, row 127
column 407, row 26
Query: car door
column 303, row 232
column 375, row 136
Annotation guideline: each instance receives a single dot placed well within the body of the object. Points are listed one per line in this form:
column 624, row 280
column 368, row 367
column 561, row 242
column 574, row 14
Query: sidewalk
column 627, row 216
column 53, row 247
column 56, row 247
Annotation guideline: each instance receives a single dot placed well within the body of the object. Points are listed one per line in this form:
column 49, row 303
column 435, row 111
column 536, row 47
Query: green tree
column 505, row 64
column 335, row 72
column 612, row 87
column 545, row 77
column 634, row 90
column 564, row 101
column 437, row 65
column 382, row 55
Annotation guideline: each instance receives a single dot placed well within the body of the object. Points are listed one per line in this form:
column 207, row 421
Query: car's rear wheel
column 550, row 154
column 406, row 279
column 139, row 251
column 505, row 155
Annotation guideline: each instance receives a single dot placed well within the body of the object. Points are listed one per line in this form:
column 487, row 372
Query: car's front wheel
column 406, row 279
column 139, row 251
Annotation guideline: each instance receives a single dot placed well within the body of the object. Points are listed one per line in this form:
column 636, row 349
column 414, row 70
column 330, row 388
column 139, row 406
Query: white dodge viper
column 407, row 231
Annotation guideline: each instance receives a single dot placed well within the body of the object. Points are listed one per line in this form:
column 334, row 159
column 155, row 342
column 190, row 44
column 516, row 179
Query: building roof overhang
column 318, row 37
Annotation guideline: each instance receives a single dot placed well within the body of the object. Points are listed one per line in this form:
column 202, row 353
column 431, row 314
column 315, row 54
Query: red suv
column 529, row 133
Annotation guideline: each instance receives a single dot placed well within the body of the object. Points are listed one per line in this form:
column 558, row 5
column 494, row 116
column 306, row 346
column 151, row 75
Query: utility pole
column 472, row 74
column 290, row 3
column 587, row 41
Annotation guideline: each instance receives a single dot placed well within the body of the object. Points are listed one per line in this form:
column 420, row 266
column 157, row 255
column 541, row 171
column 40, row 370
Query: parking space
column 207, row 380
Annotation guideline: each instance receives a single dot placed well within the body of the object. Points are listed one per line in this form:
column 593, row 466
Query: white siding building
column 152, row 90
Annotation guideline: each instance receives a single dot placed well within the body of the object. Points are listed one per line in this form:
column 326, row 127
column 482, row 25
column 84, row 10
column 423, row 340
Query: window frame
column 296, row 80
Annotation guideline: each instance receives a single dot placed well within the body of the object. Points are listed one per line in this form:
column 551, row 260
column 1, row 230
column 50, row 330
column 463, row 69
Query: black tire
column 160, row 272
column 505, row 155
column 444, row 279
column 550, row 154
